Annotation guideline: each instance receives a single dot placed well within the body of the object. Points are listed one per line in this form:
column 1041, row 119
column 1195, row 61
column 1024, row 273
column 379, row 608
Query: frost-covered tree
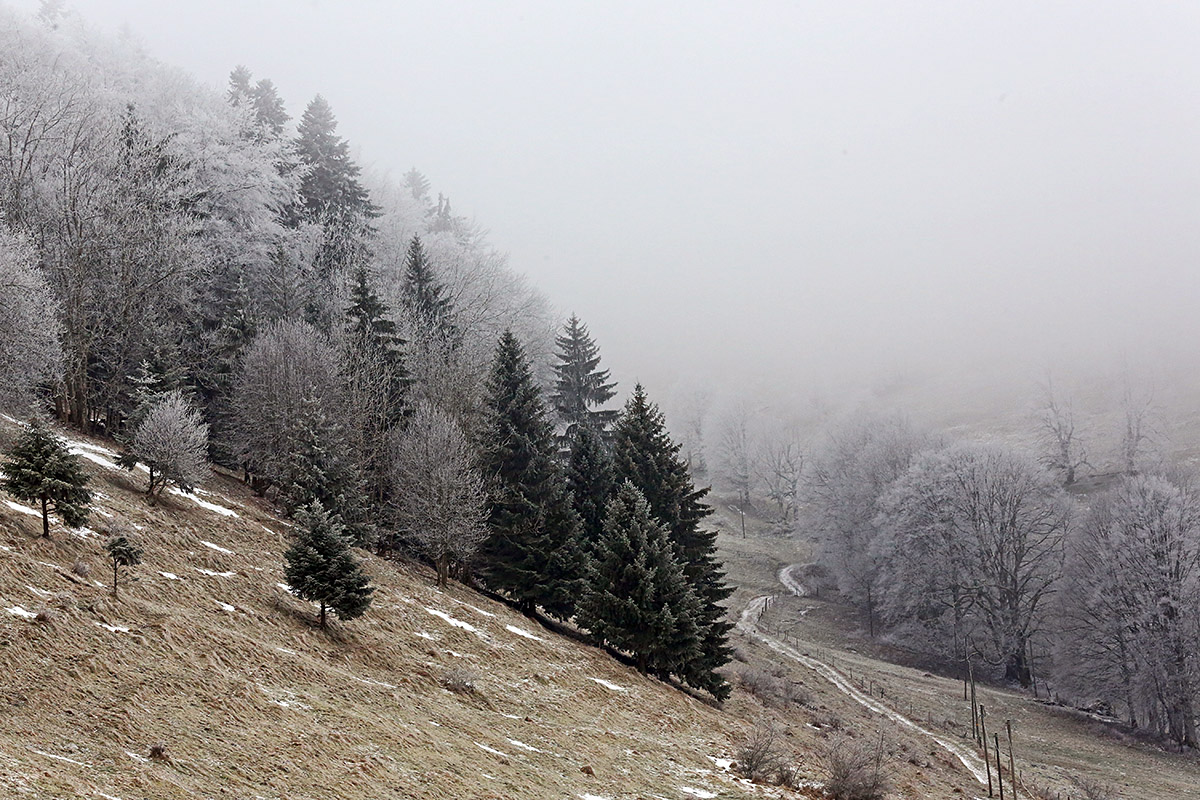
column 171, row 442
column 30, row 352
column 40, row 469
column 1132, row 605
column 635, row 595
column 425, row 297
column 736, row 456
column 970, row 546
column 581, row 387
column 320, row 567
column 780, row 466
column 1062, row 448
column 440, row 498
column 849, row 474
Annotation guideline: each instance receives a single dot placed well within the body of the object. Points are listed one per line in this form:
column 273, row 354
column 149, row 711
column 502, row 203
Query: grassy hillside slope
column 206, row 653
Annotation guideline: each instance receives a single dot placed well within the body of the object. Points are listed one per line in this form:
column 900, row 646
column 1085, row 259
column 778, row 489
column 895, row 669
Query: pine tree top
column 424, row 295
column 331, row 184
column 580, row 384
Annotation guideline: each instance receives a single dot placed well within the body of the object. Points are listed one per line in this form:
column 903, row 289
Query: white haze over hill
column 801, row 196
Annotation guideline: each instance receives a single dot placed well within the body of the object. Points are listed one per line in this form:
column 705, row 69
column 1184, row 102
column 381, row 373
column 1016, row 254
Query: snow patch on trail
column 20, row 612
column 218, row 548
column 608, row 685
column 458, row 623
column 522, row 632
column 748, row 625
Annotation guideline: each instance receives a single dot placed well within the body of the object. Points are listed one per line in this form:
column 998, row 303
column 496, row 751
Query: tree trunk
column 45, row 518
column 443, row 571
column 115, row 567
column 641, row 659
column 322, row 613
column 1016, row 668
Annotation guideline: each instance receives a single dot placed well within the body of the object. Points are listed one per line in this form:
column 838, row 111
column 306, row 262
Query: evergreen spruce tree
column 331, row 184
column 320, row 567
column 426, row 298
column 635, row 595
column 322, row 472
column 41, row 469
column 376, row 381
column 239, row 85
column 531, row 552
column 269, row 109
column 644, row 454
column 122, row 553
column 581, row 386
column 590, row 482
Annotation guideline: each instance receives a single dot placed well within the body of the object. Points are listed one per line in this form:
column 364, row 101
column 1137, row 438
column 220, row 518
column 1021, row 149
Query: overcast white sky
column 776, row 190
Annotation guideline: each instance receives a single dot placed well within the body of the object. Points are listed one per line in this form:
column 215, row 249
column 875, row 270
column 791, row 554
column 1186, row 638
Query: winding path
column 748, row 624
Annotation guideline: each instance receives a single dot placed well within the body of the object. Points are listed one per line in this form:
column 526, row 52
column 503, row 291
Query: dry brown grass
column 257, row 701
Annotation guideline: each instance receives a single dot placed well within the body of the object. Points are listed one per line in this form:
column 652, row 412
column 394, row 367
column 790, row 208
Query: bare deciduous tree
column 439, row 494
column 1064, row 451
column 735, row 451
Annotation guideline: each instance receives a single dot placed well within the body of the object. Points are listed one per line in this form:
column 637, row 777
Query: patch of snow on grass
column 105, row 796
column 608, row 685
column 103, row 513
column 6, row 549
column 59, row 758
column 491, row 750
column 217, row 547
column 20, row 612
column 473, row 608
column 113, row 628
column 426, row 635
column 285, row 650
column 171, row 576
column 586, row 796
column 137, row 758
column 523, row 632
column 380, row 684
column 225, row 606
column 107, row 463
column 458, row 623
column 222, row 510
column 204, row 571
column 23, row 509
column 37, row 591
column 286, row 588
column 702, row 793
column 524, row 746
column 723, row 764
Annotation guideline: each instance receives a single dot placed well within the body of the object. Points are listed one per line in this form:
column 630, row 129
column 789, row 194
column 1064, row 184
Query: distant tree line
column 969, row 551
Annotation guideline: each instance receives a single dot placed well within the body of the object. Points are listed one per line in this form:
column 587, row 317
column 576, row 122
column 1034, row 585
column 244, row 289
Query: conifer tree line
column 216, row 282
